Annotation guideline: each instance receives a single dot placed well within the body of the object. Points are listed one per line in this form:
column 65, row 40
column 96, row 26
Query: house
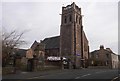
column 104, row 57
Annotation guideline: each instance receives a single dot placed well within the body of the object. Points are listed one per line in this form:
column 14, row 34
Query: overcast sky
column 42, row 19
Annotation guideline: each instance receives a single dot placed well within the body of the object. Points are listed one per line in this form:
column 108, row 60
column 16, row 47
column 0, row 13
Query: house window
column 107, row 62
column 107, row 55
column 65, row 20
column 97, row 56
column 92, row 55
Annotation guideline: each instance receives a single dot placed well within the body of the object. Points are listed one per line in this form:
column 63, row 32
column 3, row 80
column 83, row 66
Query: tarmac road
column 103, row 74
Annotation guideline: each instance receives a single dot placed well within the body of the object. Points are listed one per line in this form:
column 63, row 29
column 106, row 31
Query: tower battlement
column 73, row 44
column 73, row 6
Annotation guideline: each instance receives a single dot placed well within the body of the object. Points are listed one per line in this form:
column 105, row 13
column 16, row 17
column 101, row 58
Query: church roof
column 52, row 42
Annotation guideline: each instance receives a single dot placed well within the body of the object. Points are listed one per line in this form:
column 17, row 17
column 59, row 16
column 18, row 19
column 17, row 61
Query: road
column 110, row 74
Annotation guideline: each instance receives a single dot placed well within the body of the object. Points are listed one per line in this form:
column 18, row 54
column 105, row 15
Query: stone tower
column 71, row 34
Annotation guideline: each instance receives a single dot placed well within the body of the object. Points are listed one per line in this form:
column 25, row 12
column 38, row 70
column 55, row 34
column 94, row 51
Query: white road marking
column 90, row 74
column 114, row 78
column 77, row 77
column 83, row 76
column 35, row 77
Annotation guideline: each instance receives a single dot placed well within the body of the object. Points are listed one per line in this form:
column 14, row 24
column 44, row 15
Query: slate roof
column 94, row 52
column 34, row 45
column 52, row 42
column 105, row 50
column 21, row 52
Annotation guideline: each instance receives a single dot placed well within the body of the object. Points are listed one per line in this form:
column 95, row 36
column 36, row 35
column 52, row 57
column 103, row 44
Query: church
column 72, row 44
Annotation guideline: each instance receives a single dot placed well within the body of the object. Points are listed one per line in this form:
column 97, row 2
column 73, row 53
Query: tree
column 0, row 48
column 10, row 41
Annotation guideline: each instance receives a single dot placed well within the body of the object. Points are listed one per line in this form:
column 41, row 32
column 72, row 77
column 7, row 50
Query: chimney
column 40, row 41
column 108, row 49
column 101, row 47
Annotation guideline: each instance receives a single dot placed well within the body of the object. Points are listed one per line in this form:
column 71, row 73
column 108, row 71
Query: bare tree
column 0, row 48
column 10, row 41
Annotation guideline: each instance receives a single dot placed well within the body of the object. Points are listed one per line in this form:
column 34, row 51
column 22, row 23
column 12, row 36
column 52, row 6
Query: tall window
column 76, row 18
column 65, row 20
column 70, row 18
column 79, row 20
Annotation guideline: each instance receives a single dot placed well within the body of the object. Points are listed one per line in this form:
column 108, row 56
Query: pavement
column 103, row 74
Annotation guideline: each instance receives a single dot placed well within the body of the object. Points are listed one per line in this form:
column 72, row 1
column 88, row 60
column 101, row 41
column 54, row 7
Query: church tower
column 71, row 34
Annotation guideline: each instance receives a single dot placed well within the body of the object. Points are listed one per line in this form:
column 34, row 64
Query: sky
column 42, row 20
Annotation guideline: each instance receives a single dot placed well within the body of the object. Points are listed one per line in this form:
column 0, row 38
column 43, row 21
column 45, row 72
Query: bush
column 23, row 67
column 8, row 70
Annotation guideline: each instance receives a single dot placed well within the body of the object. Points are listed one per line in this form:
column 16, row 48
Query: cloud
column 43, row 20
